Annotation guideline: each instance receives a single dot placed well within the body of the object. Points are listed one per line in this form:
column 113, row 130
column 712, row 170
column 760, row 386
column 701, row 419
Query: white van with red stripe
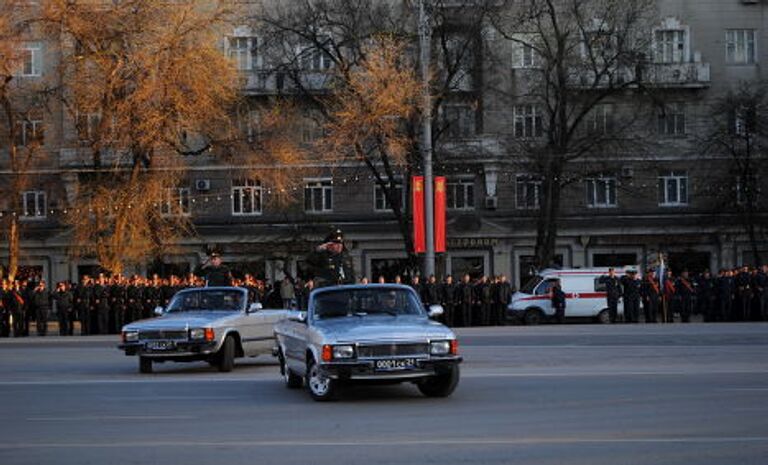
column 584, row 292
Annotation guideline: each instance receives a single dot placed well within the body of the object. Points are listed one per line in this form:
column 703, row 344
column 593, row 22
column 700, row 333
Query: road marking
column 115, row 418
column 755, row 389
column 393, row 442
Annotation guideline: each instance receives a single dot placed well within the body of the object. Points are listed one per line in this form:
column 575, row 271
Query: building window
column 601, row 192
column 380, row 201
column 528, row 192
column 318, row 196
column 671, row 120
column 29, row 132
column 242, row 51
column 747, row 190
column 459, row 121
column 461, row 194
column 176, row 202
column 246, row 197
column 33, row 205
column 313, row 58
column 527, row 56
column 600, row 119
column 311, row 130
column 528, row 122
column 740, row 47
column 87, row 124
column 31, row 60
column 673, row 189
column 670, row 46
column 743, row 121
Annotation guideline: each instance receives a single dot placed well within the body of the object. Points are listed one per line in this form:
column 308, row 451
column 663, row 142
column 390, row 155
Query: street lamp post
column 426, row 140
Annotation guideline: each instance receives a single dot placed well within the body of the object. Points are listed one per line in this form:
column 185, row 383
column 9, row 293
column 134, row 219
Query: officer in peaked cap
column 213, row 271
column 330, row 261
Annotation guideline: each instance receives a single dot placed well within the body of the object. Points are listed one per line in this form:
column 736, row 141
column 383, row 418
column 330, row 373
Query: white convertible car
column 214, row 324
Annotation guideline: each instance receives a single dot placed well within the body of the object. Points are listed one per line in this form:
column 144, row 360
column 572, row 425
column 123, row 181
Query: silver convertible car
column 377, row 333
column 214, row 324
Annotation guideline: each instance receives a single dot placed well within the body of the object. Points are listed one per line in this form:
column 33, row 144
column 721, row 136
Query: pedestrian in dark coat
column 744, row 293
column 685, row 293
column 485, row 300
column 502, row 297
column 466, row 299
column 448, row 300
column 557, row 297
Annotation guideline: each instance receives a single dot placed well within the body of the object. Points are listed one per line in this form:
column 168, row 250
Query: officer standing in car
column 214, row 273
column 331, row 262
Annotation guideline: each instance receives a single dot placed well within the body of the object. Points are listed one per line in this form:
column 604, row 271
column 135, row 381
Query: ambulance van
column 584, row 292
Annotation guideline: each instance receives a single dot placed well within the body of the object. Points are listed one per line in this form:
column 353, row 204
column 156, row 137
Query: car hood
column 180, row 320
column 372, row 328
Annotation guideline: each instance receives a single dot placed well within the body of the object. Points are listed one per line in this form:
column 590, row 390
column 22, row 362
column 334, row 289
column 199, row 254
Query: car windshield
column 207, row 300
column 363, row 302
column 531, row 285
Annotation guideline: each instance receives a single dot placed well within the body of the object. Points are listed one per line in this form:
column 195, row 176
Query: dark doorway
column 691, row 260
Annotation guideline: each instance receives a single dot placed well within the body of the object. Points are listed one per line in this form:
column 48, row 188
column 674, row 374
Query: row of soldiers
column 739, row 294
column 101, row 305
column 468, row 302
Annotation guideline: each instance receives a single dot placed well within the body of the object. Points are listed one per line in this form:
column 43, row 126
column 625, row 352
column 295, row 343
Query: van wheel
column 604, row 317
column 533, row 317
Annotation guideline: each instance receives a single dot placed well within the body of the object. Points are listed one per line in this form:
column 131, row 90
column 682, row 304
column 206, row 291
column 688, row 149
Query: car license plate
column 395, row 364
column 161, row 345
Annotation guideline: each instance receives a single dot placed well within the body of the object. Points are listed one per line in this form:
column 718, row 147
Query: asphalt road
column 672, row 394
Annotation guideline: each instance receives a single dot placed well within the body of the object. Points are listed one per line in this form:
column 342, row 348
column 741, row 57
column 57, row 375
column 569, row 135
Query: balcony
column 81, row 157
column 271, row 82
column 684, row 75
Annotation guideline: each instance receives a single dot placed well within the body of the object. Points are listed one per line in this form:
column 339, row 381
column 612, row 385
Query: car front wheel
column 227, row 355
column 321, row 387
column 441, row 385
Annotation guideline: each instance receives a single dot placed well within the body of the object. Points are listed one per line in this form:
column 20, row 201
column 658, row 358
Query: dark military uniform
column 761, row 292
column 5, row 315
column 612, row 295
column 685, row 293
column 466, row 297
column 214, row 275
column 82, row 306
column 330, row 268
column 502, row 297
column 65, row 312
column 448, row 301
column 707, row 297
column 485, row 298
column 744, row 294
column 650, row 292
column 101, row 305
column 432, row 294
column 134, row 297
column 41, row 303
column 631, row 287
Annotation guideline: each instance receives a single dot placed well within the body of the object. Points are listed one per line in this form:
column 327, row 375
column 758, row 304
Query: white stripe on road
column 392, row 442
column 114, row 418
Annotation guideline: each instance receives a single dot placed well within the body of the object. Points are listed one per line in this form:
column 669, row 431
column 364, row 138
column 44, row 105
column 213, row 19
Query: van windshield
column 531, row 285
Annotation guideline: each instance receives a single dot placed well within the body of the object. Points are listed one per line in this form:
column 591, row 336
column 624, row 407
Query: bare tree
column 577, row 55
column 737, row 131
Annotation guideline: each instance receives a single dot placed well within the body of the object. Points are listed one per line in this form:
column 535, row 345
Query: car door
column 543, row 299
column 261, row 336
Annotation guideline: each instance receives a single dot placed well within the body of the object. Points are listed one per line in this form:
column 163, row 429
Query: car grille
column 392, row 350
column 175, row 335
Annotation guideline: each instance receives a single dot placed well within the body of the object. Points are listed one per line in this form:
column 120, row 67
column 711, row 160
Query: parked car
column 378, row 333
column 214, row 324
column 584, row 292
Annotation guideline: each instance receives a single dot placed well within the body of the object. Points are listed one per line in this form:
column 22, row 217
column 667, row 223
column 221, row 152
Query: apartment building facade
column 669, row 197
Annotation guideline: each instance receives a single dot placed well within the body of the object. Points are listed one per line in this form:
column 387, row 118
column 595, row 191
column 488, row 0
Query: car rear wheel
column 533, row 317
column 292, row 380
column 441, row 385
column 321, row 387
column 145, row 365
column 604, row 317
column 227, row 355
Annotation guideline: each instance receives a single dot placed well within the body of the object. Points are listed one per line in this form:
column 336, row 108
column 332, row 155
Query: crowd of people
column 102, row 304
column 739, row 294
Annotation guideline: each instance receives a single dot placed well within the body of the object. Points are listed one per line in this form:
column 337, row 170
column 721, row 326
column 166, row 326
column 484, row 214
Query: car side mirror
column 299, row 317
column 159, row 311
column 435, row 311
column 255, row 307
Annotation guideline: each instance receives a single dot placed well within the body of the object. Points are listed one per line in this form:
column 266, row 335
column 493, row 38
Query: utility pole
column 425, row 32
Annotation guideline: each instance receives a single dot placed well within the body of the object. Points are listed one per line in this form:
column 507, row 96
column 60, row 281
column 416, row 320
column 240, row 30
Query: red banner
column 440, row 202
column 417, row 197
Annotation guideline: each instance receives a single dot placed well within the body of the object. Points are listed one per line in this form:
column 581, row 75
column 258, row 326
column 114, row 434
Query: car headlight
column 130, row 336
column 343, row 351
column 440, row 347
column 197, row 333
